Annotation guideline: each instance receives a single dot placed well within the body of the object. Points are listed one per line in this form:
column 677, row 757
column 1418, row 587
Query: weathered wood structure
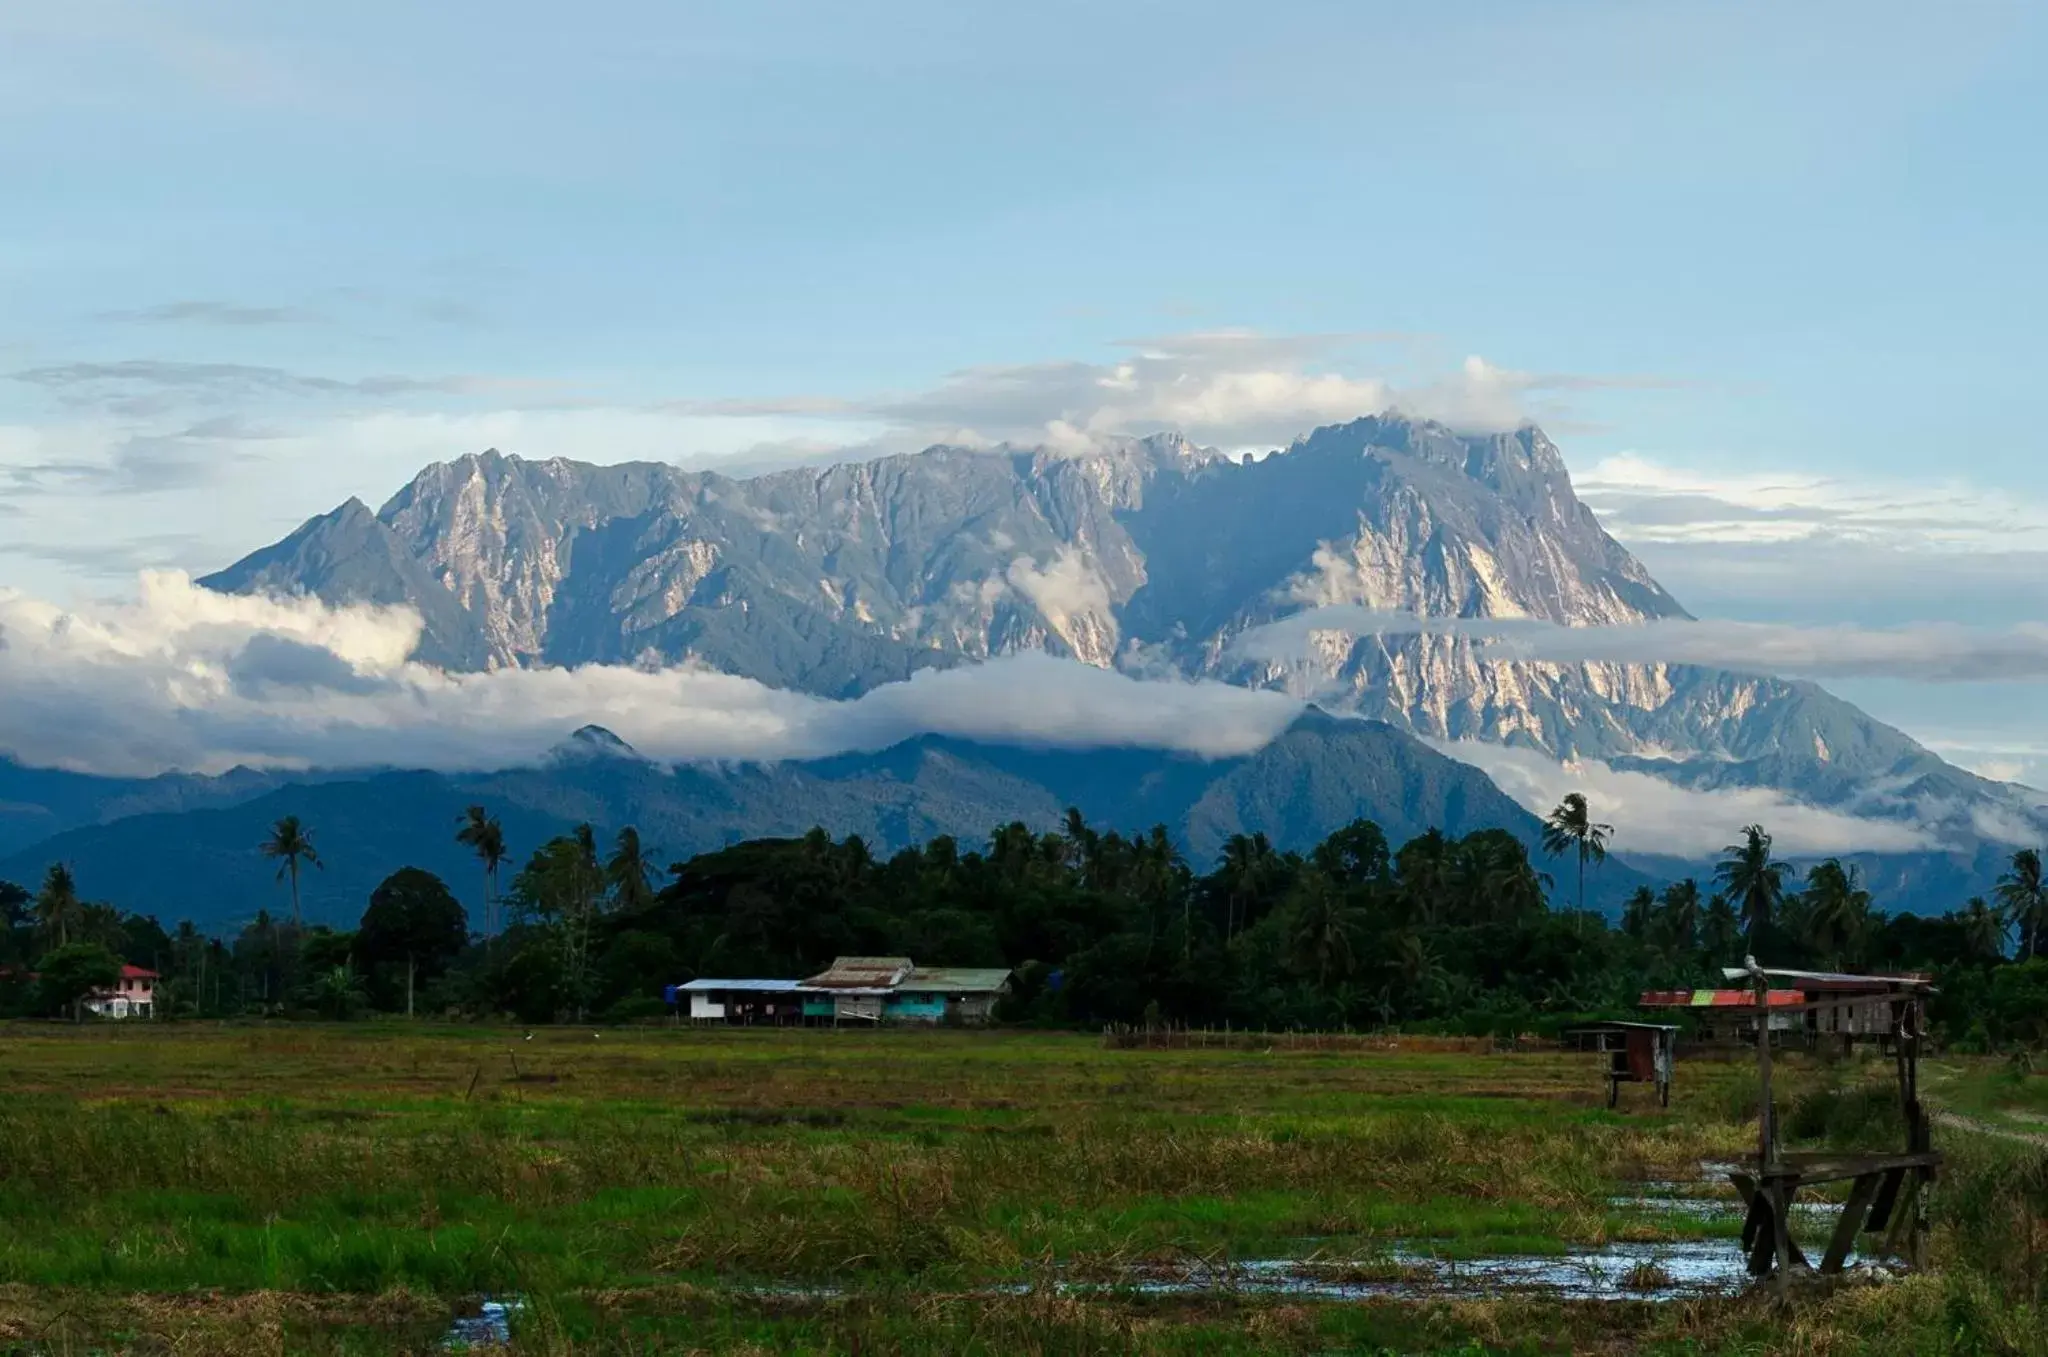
column 1885, row 1192
column 1637, row 1053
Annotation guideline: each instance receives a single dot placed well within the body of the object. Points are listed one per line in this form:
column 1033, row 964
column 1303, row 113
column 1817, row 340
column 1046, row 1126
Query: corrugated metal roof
column 957, row 980
column 863, row 972
column 1716, row 998
column 1828, row 982
column 759, row 986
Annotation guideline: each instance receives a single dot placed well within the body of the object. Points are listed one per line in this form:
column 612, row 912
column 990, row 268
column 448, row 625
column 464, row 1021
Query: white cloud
column 1066, row 588
column 185, row 678
column 1645, row 501
column 1237, row 389
column 1927, row 652
column 1652, row 815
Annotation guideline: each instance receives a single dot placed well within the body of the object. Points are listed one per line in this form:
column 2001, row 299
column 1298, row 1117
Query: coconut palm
column 1325, row 928
column 1680, row 915
column 1571, row 829
column 1752, row 880
column 1720, row 929
column 1837, row 910
column 486, row 838
column 627, row 872
column 291, row 843
column 1424, row 868
column 1984, row 929
column 1248, row 865
column 58, row 908
column 1637, row 911
column 2023, row 896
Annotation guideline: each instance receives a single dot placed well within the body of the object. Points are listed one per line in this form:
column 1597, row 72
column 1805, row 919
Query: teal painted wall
column 922, row 1006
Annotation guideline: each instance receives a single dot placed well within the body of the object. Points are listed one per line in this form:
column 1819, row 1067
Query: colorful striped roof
column 1717, row 998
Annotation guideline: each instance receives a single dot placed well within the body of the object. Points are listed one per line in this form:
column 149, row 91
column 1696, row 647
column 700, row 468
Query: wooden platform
column 1883, row 1200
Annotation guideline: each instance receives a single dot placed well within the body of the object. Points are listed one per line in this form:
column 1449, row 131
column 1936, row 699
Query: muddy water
column 489, row 1327
column 1413, row 1269
column 1664, row 1271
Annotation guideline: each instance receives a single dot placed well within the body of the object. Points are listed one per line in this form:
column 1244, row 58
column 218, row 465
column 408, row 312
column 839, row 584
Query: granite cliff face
column 1150, row 555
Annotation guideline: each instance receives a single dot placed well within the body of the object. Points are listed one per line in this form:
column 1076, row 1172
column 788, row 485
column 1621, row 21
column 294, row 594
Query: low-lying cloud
column 184, row 678
column 1652, row 815
column 1926, row 652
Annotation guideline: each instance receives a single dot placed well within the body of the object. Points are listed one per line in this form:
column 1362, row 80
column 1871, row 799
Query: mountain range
column 196, row 857
column 1151, row 556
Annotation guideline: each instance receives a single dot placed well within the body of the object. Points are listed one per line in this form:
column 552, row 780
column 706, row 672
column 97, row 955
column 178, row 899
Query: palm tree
column 1984, row 929
column 2023, row 896
column 1424, row 868
column 58, row 909
column 1681, row 915
column 1493, row 880
column 1837, row 910
column 291, row 843
column 627, row 872
column 1326, row 927
column 1571, row 829
column 1637, row 911
column 1720, row 929
column 1248, row 863
column 1753, row 882
column 485, row 837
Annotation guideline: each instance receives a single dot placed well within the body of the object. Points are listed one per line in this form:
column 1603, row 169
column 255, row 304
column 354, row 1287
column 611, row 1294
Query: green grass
column 685, row 1190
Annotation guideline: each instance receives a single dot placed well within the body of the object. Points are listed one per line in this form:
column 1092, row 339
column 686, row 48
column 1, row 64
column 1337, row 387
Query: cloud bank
column 184, row 678
column 1652, row 815
column 1236, row 389
column 1926, row 652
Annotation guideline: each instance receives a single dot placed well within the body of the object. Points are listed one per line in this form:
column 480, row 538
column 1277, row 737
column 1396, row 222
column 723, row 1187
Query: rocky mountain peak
column 595, row 742
column 1151, row 555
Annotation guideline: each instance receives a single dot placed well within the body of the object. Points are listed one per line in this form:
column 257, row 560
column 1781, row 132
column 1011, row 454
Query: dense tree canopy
column 1100, row 926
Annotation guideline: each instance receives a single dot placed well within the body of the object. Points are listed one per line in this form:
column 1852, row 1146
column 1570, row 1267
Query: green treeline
column 1451, row 934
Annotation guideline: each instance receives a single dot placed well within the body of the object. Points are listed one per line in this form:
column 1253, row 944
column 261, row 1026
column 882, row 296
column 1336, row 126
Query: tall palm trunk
column 293, row 865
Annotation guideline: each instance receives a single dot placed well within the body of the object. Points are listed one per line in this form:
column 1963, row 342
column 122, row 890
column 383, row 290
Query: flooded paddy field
column 371, row 1189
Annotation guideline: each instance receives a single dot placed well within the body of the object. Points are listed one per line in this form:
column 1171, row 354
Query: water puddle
column 489, row 1327
column 1701, row 1201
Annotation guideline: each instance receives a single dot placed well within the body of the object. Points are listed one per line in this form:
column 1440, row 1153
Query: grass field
column 354, row 1188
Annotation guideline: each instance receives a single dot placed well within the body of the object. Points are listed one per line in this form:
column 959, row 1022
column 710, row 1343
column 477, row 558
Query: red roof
column 1717, row 998
column 137, row 973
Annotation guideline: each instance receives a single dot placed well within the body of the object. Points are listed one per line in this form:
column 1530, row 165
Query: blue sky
column 1770, row 273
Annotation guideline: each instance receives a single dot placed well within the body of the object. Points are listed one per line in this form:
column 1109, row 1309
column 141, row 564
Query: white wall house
column 133, row 995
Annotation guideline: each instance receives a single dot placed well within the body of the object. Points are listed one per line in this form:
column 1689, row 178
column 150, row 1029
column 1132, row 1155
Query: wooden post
column 1851, row 1223
column 1766, row 1129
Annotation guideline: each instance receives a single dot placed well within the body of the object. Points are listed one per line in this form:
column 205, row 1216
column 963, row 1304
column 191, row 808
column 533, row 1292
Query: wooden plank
column 1788, row 1247
column 1905, row 1220
column 1851, row 1223
column 1887, row 1194
column 1758, row 1237
column 1780, row 1231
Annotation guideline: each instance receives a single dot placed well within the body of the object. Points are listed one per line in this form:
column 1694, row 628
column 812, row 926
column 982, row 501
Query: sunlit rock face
column 1150, row 555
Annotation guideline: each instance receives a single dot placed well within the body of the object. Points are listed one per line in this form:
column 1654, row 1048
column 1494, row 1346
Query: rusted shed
column 1637, row 1053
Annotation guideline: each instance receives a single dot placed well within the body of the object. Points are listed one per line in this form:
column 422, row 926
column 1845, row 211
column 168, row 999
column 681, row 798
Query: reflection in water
column 489, row 1327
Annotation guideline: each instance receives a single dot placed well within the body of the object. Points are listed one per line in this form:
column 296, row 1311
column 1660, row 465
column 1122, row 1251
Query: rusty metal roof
column 1716, row 998
column 957, row 980
column 863, row 972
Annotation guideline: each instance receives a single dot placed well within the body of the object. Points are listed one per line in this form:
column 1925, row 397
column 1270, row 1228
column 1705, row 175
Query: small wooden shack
column 1637, row 1053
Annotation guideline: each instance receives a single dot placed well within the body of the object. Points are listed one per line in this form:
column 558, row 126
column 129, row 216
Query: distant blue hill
column 186, row 848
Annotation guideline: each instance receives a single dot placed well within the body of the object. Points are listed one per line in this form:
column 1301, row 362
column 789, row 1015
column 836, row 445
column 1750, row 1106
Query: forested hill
column 1323, row 772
